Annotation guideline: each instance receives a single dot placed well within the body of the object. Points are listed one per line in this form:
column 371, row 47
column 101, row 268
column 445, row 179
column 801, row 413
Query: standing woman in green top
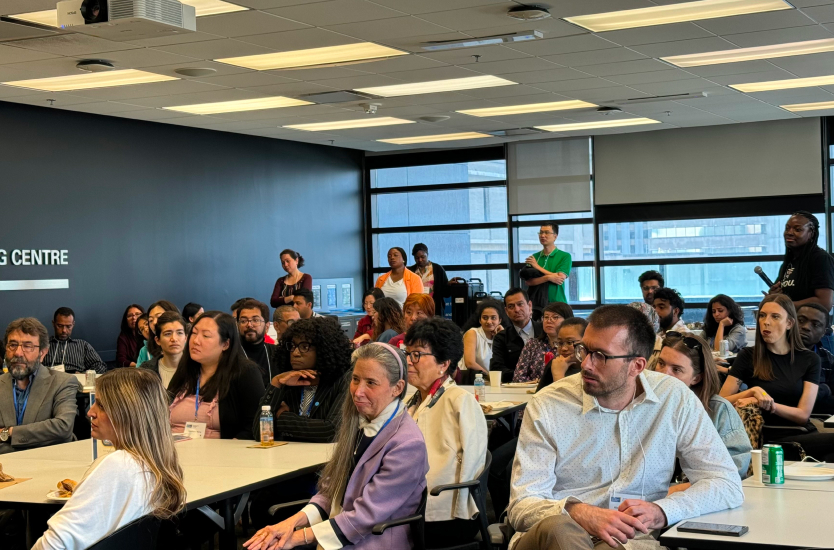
column 553, row 267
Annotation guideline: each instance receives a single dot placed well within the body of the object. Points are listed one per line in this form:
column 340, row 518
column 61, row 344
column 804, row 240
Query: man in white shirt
column 668, row 305
column 597, row 450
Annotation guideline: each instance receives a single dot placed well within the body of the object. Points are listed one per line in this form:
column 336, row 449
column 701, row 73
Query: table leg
column 228, row 540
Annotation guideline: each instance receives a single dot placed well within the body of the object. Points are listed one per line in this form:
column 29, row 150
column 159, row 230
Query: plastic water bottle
column 266, row 425
column 480, row 388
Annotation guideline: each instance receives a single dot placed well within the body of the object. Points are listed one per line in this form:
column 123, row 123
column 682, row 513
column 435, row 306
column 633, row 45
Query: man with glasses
column 550, row 268
column 507, row 344
column 283, row 318
column 70, row 354
column 37, row 405
column 596, row 451
column 253, row 322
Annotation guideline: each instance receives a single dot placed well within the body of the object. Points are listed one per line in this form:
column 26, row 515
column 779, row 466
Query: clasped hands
column 616, row 527
column 557, row 278
column 281, row 536
column 758, row 397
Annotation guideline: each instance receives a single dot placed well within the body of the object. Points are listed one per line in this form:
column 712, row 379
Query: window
column 446, row 207
column 439, row 174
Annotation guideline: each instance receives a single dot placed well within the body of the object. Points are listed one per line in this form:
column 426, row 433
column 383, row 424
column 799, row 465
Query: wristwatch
column 4, row 435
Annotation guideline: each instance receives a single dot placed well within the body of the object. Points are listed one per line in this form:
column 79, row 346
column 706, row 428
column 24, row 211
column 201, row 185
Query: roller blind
column 757, row 159
column 549, row 176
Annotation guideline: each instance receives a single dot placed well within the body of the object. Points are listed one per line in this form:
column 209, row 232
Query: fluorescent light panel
column 749, row 54
column 436, row 137
column 674, row 13
column 88, row 81
column 213, row 7
column 313, row 57
column 528, row 108
column 436, row 86
column 800, row 107
column 595, row 125
column 350, row 124
column 784, row 84
column 48, row 18
column 239, row 105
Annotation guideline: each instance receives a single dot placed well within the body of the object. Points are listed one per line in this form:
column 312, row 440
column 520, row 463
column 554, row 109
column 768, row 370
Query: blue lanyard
column 310, row 405
column 197, row 398
column 19, row 413
column 389, row 418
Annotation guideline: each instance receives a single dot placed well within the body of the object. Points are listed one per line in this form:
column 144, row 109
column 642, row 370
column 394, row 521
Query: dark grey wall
column 151, row 211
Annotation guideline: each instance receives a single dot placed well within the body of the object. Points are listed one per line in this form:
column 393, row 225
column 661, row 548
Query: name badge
column 426, row 290
column 195, row 430
column 616, row 499
column 60, row 368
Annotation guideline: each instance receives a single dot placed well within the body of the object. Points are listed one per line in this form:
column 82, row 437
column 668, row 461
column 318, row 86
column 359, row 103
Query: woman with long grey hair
column 377, row 471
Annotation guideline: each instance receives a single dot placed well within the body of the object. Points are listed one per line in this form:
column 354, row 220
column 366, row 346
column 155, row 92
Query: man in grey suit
column 37, row 405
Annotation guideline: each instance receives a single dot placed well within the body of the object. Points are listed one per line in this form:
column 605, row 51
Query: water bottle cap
column 479, row 375
column 265, row 408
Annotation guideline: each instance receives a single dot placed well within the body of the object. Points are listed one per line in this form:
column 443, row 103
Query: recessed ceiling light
column 595, row 125
column 349, row 124
column 94, row 65
column 437, row 137
column 195, row 71
column 47, row 18
column 799, row 107
column 239, row 105
column 212, row 7
column 528, row 108
column 674, row 13
column 313, row 57
column 435, row 86
column 528, row 13
column 89, row 81
column 748, row 54
column 784, row 84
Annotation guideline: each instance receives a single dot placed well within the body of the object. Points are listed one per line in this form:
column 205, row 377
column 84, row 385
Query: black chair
column 139, row 534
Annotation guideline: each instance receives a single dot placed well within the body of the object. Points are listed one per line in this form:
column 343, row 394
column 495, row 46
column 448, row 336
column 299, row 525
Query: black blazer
column 319, row 427
column 441, row 286
column 240, row 406
column 506, row 349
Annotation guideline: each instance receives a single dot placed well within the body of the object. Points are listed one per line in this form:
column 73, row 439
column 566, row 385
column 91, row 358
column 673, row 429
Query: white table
column 213, row 470
column 795, row 485
column 777, row 518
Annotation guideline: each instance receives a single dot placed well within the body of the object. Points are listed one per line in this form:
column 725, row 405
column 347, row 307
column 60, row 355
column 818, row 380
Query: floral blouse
column 531, row 362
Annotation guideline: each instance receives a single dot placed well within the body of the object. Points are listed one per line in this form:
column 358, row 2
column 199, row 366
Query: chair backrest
column 479, row 496
column 418, row 535
column 139, row 534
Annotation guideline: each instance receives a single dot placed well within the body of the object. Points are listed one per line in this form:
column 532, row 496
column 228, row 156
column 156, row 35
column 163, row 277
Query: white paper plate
column 809, row 474
column 500, row 405
column 53, row 496
column 520, row 384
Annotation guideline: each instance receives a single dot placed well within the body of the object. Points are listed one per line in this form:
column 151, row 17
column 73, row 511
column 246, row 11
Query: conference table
column 786, row 517
column 516, row 394
column 214, row 470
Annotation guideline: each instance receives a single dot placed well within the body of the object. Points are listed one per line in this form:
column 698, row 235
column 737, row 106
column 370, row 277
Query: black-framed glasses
column 580, row 351
column 546, row 233
column 255, row 321
column 571, row 343
column 302, row 347
column 416, row 355
column 28, row 347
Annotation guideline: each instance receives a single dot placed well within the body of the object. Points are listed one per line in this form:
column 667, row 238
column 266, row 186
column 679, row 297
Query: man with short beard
column 597, row 450
column 253, row 322
column 37, row 405
column 669, row 305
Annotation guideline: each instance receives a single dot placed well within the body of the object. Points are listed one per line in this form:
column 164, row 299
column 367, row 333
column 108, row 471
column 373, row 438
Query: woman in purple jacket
column 377, row 472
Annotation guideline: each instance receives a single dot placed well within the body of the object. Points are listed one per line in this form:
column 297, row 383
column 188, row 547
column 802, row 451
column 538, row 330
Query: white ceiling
column 568, row 63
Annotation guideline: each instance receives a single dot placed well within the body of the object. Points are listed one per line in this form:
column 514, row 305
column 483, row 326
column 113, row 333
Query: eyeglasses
column 368, row 304
column 597, row 357
column 289, row 322
column 546, row 233
column 652, row 288
column 302, row 347
column 416, row 355
column 28, row 347
column 570, row 343
column 552, row 318
column 256, row 321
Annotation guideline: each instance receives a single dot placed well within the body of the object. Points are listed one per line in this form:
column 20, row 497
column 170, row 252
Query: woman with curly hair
column 313, row 361
column 388, row 320
column 724, row 320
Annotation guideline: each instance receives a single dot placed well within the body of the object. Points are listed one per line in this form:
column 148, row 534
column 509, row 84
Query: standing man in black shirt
column 807, row 272
column 253, row 322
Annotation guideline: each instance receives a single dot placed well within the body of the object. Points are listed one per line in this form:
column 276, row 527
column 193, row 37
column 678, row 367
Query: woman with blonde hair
column 141, row 477
column 377, row 471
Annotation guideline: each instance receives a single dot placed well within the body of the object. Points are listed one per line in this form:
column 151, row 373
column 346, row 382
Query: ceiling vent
column 656, row 98
column 521, row 36
column 529, row 13
column 340, row 96
column 516, row 132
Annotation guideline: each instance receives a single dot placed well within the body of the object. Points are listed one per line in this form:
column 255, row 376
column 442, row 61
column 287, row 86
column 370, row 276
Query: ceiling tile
column 654, row 76
column 215, row 49
column 16, row 31
column 396, row 27
column 757, row 66
column 143, row 57
column 176, row 39
column 773, row 74
column 568, row 44
column 660, row 33
column 270, row 4
column 610, row 94
column 293, row 89
column 151, row 114
column 428, row 6
column 245, row 80
column 171, row 89
column 73, row 44
column 522, row 65
column 204, row 93
column 8, row 7
column 365, row 81
column 675, row 87
column 756, row 22
column 808, row 3
column 323, row 73
column 550, row 28
column 473, row 17
column 438, row 73
column 779, row 36
column 626, row 67
column 578, row 84
column 40, row 99
column 685, row 47
column 595, row 57
column 799, row 95
column 335, row 12
column 505, row 91
column 244, row 23
column 466, row 56
column 398, row 64
column 105, row 107
column 10, row 54
column 807, row 65
column 298, row 40
column 550, row 75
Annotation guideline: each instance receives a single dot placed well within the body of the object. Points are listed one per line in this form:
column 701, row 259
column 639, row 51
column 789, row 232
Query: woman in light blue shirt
column 688, row 358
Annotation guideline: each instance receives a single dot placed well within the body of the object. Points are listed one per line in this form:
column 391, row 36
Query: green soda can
column 773, row 465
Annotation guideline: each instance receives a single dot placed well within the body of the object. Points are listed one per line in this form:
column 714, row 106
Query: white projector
column 125, row 20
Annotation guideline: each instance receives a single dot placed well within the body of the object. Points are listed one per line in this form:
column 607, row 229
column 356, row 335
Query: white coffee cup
column 495, row 378
column 756, row 456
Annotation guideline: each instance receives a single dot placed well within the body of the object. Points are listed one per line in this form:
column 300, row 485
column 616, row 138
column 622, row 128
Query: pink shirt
column 182, row 411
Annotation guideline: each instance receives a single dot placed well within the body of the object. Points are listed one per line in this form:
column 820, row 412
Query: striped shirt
column 75, row 355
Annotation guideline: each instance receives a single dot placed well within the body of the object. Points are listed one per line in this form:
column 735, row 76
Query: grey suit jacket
column 50, row 411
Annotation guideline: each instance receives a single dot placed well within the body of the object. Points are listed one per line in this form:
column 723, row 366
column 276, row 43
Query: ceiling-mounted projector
column 124, row 20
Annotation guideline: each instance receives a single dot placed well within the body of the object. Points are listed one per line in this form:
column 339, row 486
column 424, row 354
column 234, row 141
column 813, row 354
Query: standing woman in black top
column 807, row 272
column 781, row 375
column 286, row 286
column 435, row 281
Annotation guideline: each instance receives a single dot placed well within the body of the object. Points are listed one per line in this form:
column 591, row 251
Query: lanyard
column 310, row 404
column 390, row 418
column 19, row 413
column 268, row 362
column 64, row 356
column 197, row 398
